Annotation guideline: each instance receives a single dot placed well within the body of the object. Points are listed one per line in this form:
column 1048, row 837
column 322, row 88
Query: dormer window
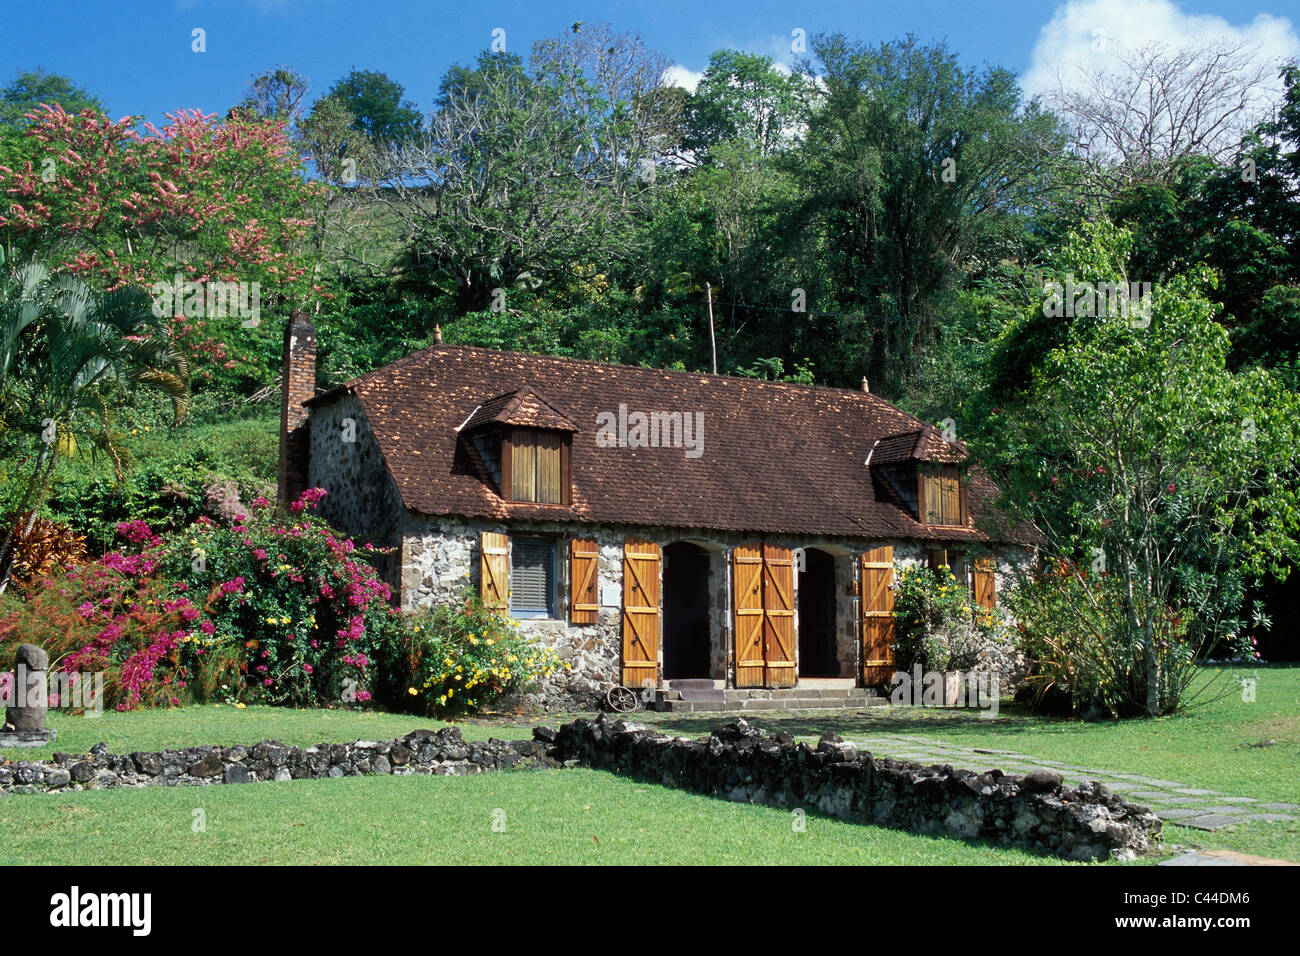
column 942, row 493
column 525, row 447
column 534, row 466
column 924, row 470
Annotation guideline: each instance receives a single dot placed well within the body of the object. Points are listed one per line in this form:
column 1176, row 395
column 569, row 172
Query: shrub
column 276, row 609
column 936, row 624
column 45, row 548
column 464, row 656
column 117, row 617
column 1074, row 631
column 301, row 601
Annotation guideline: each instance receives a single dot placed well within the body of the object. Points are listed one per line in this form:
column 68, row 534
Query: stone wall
column 421, row 751
column 738, row 762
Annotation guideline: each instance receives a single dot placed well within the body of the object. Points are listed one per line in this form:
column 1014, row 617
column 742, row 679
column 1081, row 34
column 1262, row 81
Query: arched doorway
column 817, row 657
column 686, row 611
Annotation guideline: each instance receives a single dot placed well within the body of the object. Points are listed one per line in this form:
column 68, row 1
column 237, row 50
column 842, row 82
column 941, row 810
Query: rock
column 209, row 766
column 57, row 777
column 100, row 749
column 1041, row 780
column 148, row 764
column 83, row 772
column 29, row 690
column 236, row 773
column 282, row 775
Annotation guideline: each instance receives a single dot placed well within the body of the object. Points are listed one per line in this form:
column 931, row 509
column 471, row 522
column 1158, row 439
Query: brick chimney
column 297, row 384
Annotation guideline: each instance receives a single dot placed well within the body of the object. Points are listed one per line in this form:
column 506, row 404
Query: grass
column 225, row 725
column 553, row 816
column 550, row 817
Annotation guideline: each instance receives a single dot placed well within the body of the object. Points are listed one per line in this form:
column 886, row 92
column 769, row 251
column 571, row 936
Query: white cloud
column 1066, row 44
column 681, row 76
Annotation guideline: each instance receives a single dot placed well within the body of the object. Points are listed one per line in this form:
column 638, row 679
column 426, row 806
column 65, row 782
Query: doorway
column 686, row 611
column 817, row 657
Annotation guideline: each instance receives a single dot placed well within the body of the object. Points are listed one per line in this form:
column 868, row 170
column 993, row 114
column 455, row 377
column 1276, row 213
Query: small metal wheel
column 621, row 700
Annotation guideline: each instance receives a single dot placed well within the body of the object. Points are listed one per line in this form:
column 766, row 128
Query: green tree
column 1160, row 478
column 31, row 89
column 68, row 356
column 277, row 95
column 917, row 176
column 376, row 103
column 743, row 99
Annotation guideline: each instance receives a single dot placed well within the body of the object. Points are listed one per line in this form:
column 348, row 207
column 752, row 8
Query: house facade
column 648, row 525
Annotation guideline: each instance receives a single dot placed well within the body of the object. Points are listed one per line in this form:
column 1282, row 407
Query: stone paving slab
column 1177, row 802
column 1209, row 821
column 1179, row 814
column 1192, row 858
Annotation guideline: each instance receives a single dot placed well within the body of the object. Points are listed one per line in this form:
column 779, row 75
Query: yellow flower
column 241, row 705
column 412, row 691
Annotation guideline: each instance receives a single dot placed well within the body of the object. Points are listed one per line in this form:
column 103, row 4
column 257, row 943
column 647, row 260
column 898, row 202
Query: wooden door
column 584, row 602
column 778, row 616
column 747, row 612
column 877, row 603
column 640, row 613
column 494, row 570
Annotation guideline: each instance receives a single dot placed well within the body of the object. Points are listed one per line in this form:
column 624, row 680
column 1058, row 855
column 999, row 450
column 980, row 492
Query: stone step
column 733, row 705
column 691, row 683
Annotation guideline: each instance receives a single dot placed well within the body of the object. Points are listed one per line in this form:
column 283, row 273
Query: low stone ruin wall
column 422, row 751
column 736, row 762
column 739, row 762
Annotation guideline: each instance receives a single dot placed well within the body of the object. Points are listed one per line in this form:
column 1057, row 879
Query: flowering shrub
column 464, row 656
column 936, row 622
column 278, row 611
column 1074, row 630
column 300, row 601
column 116, row 617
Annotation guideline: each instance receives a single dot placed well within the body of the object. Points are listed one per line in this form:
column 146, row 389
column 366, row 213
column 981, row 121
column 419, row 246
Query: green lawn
column 588, row 816
column 556, row 816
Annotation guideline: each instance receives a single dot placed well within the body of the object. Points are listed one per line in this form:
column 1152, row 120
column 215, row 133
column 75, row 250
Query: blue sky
column 136, row 55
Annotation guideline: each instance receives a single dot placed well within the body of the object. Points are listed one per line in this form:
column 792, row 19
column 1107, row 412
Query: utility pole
column 713, row 342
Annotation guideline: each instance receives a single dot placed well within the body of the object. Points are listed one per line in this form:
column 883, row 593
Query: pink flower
column 306, row 668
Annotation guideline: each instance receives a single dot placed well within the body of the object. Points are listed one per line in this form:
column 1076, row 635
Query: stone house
column 650, row 525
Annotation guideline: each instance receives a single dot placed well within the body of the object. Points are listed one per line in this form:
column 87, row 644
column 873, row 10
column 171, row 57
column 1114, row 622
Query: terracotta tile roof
column 919, row 444
column 522, row 407
column 777, row 457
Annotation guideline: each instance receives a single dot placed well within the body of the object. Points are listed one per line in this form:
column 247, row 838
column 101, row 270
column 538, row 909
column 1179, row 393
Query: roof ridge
column 739, row 380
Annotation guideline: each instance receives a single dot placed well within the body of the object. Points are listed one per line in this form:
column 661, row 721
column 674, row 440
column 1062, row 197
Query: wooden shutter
column 986, row 584
column 640, row 613
column 778, row 616
column 747, row 612
column 877, row 602
column 584, row 601
column 548, row 467
column 494, row 569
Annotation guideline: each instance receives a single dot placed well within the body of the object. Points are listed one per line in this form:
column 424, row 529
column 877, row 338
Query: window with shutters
column 942, row 495
column 532, row 577
column 535, row 466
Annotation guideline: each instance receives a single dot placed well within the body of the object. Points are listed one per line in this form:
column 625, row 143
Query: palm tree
column 68, row 356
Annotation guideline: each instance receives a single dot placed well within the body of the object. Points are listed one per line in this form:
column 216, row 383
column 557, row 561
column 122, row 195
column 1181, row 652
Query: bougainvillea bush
column 276, row 608
column 462, row 657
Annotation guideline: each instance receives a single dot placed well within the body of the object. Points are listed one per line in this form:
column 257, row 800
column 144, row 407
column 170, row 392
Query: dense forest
column 880, row 212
